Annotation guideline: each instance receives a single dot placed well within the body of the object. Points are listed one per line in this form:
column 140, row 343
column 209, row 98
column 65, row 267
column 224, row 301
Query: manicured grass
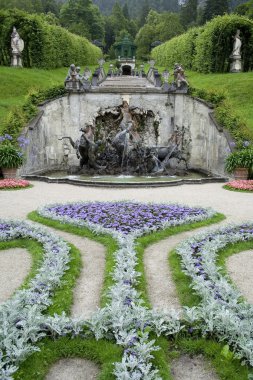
column 239, row 89
column 101, row 352
column 16, row 83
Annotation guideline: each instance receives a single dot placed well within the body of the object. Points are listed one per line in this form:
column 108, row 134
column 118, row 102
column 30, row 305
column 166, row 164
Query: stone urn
column 241, row 173
column 9, row 172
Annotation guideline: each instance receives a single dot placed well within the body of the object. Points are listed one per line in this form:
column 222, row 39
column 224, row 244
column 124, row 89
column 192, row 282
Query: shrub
column 10, row 156
column 12, row 183
column 207, row 49
column 239, row 159
column 46, row 46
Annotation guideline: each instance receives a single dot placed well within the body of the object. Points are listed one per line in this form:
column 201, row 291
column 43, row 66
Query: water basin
column 125, row 180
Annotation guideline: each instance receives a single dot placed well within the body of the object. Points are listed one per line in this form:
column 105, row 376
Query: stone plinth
column 16, row 60
column 236, row 64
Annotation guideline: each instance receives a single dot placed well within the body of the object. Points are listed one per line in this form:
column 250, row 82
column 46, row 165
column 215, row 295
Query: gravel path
column 73, row 369
column 15, row 264
column 240, row 269
column 192, row 368
column 88, row 288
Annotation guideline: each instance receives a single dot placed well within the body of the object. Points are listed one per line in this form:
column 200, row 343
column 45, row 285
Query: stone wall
column 206, row 145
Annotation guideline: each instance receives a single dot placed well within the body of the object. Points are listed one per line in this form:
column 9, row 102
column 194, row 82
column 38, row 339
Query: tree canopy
column 158, row 27
column 245, row 9
column 215, row 8
column 82, row 17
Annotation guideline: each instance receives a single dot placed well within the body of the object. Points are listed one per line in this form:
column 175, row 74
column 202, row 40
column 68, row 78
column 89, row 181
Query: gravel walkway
column 240, row 269
column 15, row 264
column 88, row 288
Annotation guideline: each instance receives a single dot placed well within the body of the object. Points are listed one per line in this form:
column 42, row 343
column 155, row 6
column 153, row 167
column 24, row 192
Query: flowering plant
column 240, row 185
column 12, row 183
column 11, row 155
column 241, row 158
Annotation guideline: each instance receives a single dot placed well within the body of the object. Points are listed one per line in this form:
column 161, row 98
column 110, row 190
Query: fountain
column 125, row 130
column 123, row 140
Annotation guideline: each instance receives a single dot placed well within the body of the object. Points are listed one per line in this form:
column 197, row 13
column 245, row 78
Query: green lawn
column 239, row 89
column 15, row 84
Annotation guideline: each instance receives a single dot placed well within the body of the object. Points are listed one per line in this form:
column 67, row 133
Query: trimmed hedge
column 46, row 46
column 207, row 49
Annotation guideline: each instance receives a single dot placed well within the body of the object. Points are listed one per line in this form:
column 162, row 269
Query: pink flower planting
column 11, row 183
column 241, row 184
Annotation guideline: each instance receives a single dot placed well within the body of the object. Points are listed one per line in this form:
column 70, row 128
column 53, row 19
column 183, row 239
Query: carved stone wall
column 204, row 144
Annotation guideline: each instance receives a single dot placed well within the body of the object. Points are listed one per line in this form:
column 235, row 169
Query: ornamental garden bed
column 136, row 336
column 240, row 185
column 14, row 184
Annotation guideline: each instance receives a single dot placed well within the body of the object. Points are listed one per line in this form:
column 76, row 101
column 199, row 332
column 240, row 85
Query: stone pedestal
column 16, row 60
column 236, row 64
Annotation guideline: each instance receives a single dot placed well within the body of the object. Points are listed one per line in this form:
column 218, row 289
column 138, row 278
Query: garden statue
column 179, row 76
column 71, row 73
column 236, row 61
column 17, row 45
column 76, row 81
column 237, row 44
column 86, row 148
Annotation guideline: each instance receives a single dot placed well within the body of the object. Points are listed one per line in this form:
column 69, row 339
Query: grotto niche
column 124, row 140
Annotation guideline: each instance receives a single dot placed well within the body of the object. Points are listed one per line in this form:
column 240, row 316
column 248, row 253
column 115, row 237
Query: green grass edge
column 226, row 187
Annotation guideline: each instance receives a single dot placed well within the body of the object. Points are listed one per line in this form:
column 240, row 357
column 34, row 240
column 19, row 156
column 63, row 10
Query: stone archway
column 126, row 70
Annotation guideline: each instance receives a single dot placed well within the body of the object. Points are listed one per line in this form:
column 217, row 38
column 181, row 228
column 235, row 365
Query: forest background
column 146, row 22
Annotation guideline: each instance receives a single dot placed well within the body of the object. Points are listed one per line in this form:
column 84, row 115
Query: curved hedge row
column 46, row 46
column 207, row 49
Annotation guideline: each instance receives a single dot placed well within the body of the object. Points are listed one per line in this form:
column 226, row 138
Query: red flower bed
column 12, row 183
column 241, row 185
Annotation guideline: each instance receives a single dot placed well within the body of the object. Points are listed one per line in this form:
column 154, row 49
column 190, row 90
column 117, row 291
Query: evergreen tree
column 50, row 6
column 188, row 13
column 83, row 17
column 125, row 11
column 245, row 9
column 25, row 5
column 214, row 8
column 144, row 13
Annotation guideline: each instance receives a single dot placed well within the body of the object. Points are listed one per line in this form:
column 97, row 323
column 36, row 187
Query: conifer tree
column 214, row 8
column 125, row 11
column 188, row 13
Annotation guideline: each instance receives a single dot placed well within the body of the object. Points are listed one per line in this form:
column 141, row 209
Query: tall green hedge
column 46, row 46
column 207, row 49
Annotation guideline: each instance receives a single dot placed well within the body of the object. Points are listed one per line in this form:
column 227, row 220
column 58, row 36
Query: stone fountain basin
column 192, row 177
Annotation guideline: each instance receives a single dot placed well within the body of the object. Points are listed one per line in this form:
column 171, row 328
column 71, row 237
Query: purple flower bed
column 126, row 217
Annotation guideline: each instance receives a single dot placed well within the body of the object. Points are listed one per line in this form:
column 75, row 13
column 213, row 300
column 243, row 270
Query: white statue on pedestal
column 235, row 57
column 17, row 45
